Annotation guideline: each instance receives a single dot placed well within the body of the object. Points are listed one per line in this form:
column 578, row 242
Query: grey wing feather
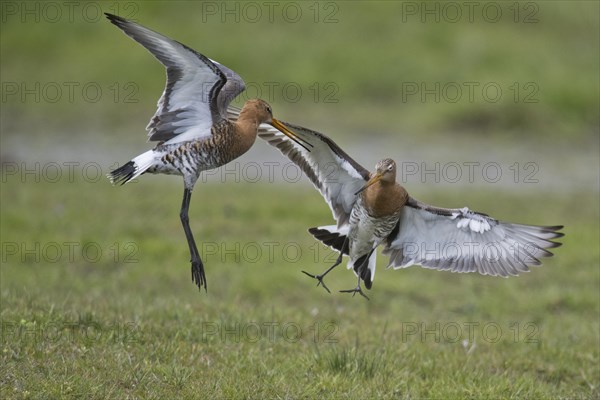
column 461, row 240
column 333, row 172
column 232, row 88
column 193, row 99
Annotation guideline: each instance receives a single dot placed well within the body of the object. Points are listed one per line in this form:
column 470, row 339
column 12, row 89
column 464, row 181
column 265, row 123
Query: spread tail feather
column 336, row 238
column 132, row 169
column 365, row 267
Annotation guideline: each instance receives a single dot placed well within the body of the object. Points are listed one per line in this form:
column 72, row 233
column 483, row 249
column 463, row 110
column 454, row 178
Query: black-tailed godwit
column 191, row 125
column 372, row 209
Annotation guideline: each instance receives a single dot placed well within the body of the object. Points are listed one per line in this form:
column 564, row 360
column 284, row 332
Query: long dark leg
column 358, row 289
column 337, row 262
column 197, row 267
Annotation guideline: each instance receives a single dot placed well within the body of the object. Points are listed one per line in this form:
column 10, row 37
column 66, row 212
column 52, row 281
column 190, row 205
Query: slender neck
column 246, row 128
column 377, row 190
column 248, row 122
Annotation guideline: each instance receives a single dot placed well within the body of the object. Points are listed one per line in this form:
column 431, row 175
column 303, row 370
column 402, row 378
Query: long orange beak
column 284, row 129
column 374, row 179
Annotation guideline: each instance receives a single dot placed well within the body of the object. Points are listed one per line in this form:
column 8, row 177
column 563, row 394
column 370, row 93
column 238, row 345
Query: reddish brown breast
column 244, row 130
column 383, row 199
column 245, row 135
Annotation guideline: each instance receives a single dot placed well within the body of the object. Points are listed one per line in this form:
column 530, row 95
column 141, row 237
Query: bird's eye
column 269, row 110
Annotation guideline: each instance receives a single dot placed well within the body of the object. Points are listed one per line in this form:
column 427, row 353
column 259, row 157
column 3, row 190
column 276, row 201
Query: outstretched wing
column 333, row 172
column 461, row 240
column 197, row 92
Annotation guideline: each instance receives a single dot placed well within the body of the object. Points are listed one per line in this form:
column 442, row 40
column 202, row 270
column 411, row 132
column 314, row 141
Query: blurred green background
column 511, row 83
column 349, row 68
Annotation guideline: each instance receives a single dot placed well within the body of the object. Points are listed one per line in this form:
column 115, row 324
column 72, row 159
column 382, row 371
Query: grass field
column 118, row 316
column 96, row 298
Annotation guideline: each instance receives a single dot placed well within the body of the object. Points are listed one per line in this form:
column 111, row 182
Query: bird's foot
column 198, row 276
column 320, row 279
column 357, row 289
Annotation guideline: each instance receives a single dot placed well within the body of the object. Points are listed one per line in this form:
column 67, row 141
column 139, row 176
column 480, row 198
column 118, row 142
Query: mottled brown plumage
column 372, row 210
column 190, row 124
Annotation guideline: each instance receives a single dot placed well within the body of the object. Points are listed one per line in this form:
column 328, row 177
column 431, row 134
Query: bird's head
column 264, row 114
column 386, row 168
column 385, row 171
column 261, row 109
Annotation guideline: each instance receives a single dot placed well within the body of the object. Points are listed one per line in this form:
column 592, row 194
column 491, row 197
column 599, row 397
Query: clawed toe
column 354, row 291
column 320, row 279
column 198, row 275
column 311, row 275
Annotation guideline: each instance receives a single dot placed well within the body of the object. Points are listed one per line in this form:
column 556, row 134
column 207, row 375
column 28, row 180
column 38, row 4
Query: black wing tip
column 551, row 231
column 120, row 22
column 555, row 231
column 115, row 19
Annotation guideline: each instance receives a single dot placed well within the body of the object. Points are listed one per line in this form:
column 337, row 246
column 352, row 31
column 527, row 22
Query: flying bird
column 190, row 124
column 371, row 209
